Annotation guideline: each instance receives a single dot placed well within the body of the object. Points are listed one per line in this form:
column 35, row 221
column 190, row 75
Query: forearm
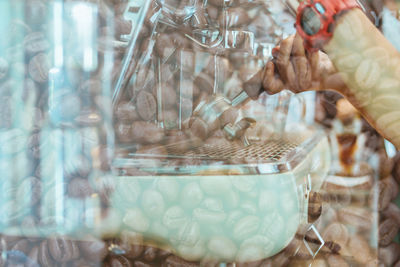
column 370, row 67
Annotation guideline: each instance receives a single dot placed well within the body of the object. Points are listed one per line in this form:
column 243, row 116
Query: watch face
column 310, row 21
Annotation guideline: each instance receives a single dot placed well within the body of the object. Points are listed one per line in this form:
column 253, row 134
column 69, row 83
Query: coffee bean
column 3, row 68
column 204, row 82
column 146, row 105
column 204, row 215
column 79, row 188
column 78, row 166
column 44, row 256
column 253, row 87
column 150, row 253
column 164, row 45
column 393, row 212
column 388, row 229
column 222, row 247
column 169, row 97
column 251, row 75
column 220, row 67
column 179, row 140
column 35, row 42
column 93, row 249
column 65, row 108
column 120, row 7
column 153, row 203
column 174, row 261
column 191, row 195
column 35, row 13
column 126, row 112
column 228, row 116
column 188, row 236
column 132, row 244
column 233, row 87
column 126, row 192
column 314, row 206
column 213, row 12
column 358, row 217
column 236, row 39
column 359, row 249
column 39, row 67
column 8, row 241
column 162, row 254
column 259, row 263
column 385, row 164
column 5, row 113
column 171, row 120
column 280, row 259
column 152, row 14
column 123, row 132
column 63, row 250
column 31, row 189
column 136, row 220
column 117, row 261
column 144, row 79
column 174, row 217
column 396, row 168
column 17, row 30
column 217, row 3
column 29, row 229
column 393, row 185
column 22, row 246
column 145, row 132
column 184, row 44
column 199, row 128
column 390, row 254
column 141, row 264
column 235, row 17
column 15, row 258
column 245, row 227
column 33, row 258
column 368, row 74
column 92, row 86
column 82, row 263
column 384, row 195
column 349, row 62
column 336, row 261
column 33, row 145
column 122, row 26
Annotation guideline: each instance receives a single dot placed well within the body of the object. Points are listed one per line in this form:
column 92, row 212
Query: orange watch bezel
column 330, row 10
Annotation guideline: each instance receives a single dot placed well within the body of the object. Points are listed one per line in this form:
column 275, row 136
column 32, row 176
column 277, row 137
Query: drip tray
column 189, row 157
column 270, row 151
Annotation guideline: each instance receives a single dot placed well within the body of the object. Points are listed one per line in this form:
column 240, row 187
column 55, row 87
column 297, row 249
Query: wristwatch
column 316, row 20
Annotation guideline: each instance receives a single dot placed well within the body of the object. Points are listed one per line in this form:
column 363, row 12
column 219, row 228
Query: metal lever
column 129, row 64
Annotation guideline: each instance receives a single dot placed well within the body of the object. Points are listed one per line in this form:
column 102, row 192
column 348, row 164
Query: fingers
column 291, row 77
column 314, row 59
column 303, row 73
column 298, row 49
column 335, row 81
column 296, row 69
column 325, row 64
column 271, row 83
column 283, row 59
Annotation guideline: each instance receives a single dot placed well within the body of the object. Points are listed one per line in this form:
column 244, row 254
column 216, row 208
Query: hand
column 298, row 70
